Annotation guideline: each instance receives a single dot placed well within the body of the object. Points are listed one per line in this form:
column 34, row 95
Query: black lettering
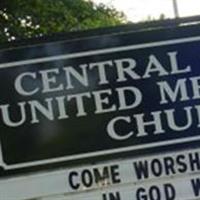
column 111, row 196
column 73, row 185
column 182, row 166
column 154, row 193
column 169, row 191
column 169, row 165
column 141, row 169
column 194, row 161
column 156, row 167
column 101, row 176
column 86, row 177
column 115, row 174
column 196, row 186
column 140, row 194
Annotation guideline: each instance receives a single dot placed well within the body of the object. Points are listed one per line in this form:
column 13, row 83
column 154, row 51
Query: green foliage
column 33, row 18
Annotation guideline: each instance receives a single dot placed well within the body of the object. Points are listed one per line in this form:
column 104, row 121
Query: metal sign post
column 175, row 7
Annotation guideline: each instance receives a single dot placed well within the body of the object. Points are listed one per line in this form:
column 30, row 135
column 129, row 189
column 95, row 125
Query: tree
column 21, row 19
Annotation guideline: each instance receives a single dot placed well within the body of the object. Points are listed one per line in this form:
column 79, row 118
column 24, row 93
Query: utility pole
column 175, row 6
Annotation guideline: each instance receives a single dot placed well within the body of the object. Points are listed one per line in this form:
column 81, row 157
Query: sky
column 138, row 10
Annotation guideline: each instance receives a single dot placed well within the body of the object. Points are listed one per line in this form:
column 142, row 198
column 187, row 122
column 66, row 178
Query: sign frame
column 186, row 37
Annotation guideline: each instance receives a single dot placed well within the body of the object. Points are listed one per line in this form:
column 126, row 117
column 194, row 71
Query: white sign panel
column 182, row 188
column 128, row 174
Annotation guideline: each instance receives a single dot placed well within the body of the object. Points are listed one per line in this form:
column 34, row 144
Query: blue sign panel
column 100, row 95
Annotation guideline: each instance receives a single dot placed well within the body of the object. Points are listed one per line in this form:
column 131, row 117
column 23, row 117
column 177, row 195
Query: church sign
column 96, row 96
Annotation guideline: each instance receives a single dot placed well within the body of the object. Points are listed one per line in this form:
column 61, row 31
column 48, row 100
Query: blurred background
column 143, row 10
column 20, row 19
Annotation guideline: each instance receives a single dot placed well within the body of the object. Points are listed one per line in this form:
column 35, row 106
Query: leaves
column 21, row 19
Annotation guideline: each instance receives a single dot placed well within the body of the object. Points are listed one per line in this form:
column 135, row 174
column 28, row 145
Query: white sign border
column 91, row 53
